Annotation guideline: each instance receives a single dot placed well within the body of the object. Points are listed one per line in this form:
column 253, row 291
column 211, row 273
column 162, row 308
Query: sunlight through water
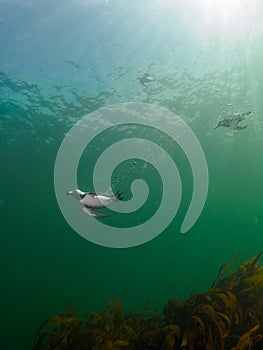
column 211, row 17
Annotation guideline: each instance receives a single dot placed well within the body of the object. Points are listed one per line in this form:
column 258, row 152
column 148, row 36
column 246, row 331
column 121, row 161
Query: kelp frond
column 229, row 316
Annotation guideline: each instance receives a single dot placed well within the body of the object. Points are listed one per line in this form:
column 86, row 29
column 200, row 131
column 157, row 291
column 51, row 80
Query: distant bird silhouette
column 145, row 79
column 232, row 121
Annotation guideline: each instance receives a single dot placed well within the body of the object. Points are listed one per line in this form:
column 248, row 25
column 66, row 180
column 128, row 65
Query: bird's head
column 75, row 193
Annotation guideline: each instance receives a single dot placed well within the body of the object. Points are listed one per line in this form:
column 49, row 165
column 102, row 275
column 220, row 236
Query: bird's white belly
column 99, row 201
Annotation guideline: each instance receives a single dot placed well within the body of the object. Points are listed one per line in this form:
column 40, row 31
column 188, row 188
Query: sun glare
column 224, row 17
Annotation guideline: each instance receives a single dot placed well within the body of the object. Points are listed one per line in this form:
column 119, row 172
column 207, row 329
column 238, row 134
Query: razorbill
column 232, row 121
column 94, row 200
column 145, row 78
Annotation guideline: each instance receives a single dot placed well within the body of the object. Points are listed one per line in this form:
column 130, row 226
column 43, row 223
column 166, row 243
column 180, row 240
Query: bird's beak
column 69, row 193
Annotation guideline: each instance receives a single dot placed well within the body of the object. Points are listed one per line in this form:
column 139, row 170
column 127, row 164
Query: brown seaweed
column 229, row 316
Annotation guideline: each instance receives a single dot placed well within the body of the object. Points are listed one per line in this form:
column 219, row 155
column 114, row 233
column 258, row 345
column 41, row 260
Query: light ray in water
column 226, row 17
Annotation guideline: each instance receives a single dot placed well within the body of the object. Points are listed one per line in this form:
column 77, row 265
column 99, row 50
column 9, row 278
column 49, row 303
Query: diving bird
column 94, row 200
column 232, row 121
column 145, row 78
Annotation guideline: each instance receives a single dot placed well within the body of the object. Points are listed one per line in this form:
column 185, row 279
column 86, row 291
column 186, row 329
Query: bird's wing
column 91, row 212
column 238, row 127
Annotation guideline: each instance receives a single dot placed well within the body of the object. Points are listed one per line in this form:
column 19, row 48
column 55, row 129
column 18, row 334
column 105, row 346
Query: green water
column 59, row 62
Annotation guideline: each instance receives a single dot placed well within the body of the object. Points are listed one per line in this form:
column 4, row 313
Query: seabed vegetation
column 229, row 316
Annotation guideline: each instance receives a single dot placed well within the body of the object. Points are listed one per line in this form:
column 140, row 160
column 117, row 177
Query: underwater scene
column 131, row 193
